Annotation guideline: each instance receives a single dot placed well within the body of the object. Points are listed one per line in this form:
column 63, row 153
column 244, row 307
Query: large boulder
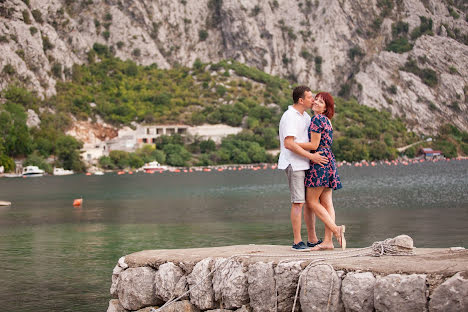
column 262, row 289
column 115, row 306
column 136, row 288
column 170, row 282
column 178, row 306
column 200, row 285
column 115, row 281
column 452, row 295
column 230, row 283
column 357, row 292
column 287, row 276
column 397, row 292
column 316, row 284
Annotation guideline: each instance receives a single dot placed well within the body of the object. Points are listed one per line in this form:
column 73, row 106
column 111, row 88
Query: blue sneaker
column 309, row 244
column 300, row 247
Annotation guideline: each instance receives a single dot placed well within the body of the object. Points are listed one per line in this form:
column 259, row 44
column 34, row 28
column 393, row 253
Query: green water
column 55, row 257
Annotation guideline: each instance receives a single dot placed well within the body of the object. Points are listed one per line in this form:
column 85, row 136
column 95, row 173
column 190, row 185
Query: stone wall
column 238, row 285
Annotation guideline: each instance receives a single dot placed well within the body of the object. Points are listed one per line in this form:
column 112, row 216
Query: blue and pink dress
column 327, row 175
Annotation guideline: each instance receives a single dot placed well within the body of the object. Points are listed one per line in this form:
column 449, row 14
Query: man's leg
column 297, row 190
column 296, row 219
column 309, row 218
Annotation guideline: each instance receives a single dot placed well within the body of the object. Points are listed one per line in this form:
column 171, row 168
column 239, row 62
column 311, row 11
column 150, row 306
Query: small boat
column 153, row 166
column 12, row 175
column 5, row 203
column 99, row 173
column 62, row 172
column 32, row 171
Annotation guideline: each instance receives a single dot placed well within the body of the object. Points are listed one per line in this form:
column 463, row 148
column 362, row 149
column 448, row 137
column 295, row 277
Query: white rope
column 377, row 249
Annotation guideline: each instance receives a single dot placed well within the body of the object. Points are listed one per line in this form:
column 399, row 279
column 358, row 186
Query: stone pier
column 265, row 278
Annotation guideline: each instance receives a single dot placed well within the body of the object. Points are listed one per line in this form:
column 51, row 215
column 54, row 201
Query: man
column 293, row 129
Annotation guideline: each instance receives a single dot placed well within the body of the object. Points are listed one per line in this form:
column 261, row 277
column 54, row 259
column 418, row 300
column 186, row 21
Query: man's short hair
column 299, row 93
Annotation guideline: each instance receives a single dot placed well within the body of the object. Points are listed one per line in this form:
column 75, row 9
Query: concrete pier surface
column 425, row 260
column 389, row 276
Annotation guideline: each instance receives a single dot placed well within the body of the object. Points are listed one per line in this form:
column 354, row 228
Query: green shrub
column 57, row 70
column 453, row 13
column 9, row 69
column 106, row 34
column 108, row 16
column 399, row 45
column 202, row 34
column 26, row 17
column 46, row 44
column 399, row 28
column 318, row 64
column 37, row 16
column 136, row 52
column 33, row 30
column 425, row 28
column 355, row 52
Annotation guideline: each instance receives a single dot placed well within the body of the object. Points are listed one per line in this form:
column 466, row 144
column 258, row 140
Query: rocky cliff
column 336, row 45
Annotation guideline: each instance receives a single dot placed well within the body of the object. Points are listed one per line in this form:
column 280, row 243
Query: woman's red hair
column 329, row 104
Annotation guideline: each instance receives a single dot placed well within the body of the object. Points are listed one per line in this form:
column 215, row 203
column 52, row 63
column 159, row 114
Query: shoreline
column 260, row 166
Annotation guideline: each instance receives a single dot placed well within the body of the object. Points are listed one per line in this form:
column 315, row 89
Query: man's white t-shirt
column 295, row 124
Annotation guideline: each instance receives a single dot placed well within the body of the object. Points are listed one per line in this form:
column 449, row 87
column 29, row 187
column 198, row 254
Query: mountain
column 407, row 57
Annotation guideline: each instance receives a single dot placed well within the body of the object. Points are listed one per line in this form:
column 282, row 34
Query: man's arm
column 295, row 148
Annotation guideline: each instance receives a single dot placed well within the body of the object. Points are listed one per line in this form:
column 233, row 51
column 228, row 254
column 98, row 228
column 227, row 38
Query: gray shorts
column 296, row 185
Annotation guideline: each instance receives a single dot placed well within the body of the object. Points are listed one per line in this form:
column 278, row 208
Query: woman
column 321, row 180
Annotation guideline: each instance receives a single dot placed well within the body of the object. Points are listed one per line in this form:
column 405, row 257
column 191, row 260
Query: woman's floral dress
column 327, row 175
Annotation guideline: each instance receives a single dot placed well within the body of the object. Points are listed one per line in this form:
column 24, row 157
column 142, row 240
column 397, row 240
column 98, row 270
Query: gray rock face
column 452, row 295
column 115, row 306
column 285, row 38
column 287, row 276
column 262, row 290
column 170, row 282
column 316, row 284
column 396, row 292
column 203, row 294
column 136, row 288
column 357, row 292
column 230, row 283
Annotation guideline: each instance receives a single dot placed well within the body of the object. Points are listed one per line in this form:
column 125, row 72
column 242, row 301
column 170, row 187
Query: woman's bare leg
column 312, row 199
column 326, row 201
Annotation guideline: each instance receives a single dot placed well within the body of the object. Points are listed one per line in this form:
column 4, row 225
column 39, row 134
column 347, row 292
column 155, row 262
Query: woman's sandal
column 342, row 239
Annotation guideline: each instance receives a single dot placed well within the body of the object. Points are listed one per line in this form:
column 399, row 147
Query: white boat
column 32, row 171
column 99, row 173
column 153, row 166
column 62, row 172
column 12, row 175
column 5, row 203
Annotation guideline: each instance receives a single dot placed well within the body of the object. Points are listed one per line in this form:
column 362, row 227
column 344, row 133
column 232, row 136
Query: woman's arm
column 314, row 142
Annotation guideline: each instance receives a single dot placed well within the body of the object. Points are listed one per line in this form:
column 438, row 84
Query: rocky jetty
column 267, row 278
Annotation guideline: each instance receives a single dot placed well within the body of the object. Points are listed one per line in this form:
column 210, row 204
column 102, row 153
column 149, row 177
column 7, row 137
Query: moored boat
column 32, row 171
column 62, row 172
column 153, row 166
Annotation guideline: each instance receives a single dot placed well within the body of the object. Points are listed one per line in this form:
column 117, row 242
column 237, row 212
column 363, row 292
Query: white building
column 130, row 140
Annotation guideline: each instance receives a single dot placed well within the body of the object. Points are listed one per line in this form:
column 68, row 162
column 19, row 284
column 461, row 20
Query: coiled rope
column 377, row 249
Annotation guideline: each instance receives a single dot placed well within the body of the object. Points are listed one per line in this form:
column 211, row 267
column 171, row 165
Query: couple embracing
column 311, row 175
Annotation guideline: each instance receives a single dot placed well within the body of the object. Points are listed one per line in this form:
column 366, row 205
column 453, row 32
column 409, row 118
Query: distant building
column 130, row 140
column 429, row 153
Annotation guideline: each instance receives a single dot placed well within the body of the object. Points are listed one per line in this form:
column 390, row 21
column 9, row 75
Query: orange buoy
column 88, row 173
column 78, row 202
